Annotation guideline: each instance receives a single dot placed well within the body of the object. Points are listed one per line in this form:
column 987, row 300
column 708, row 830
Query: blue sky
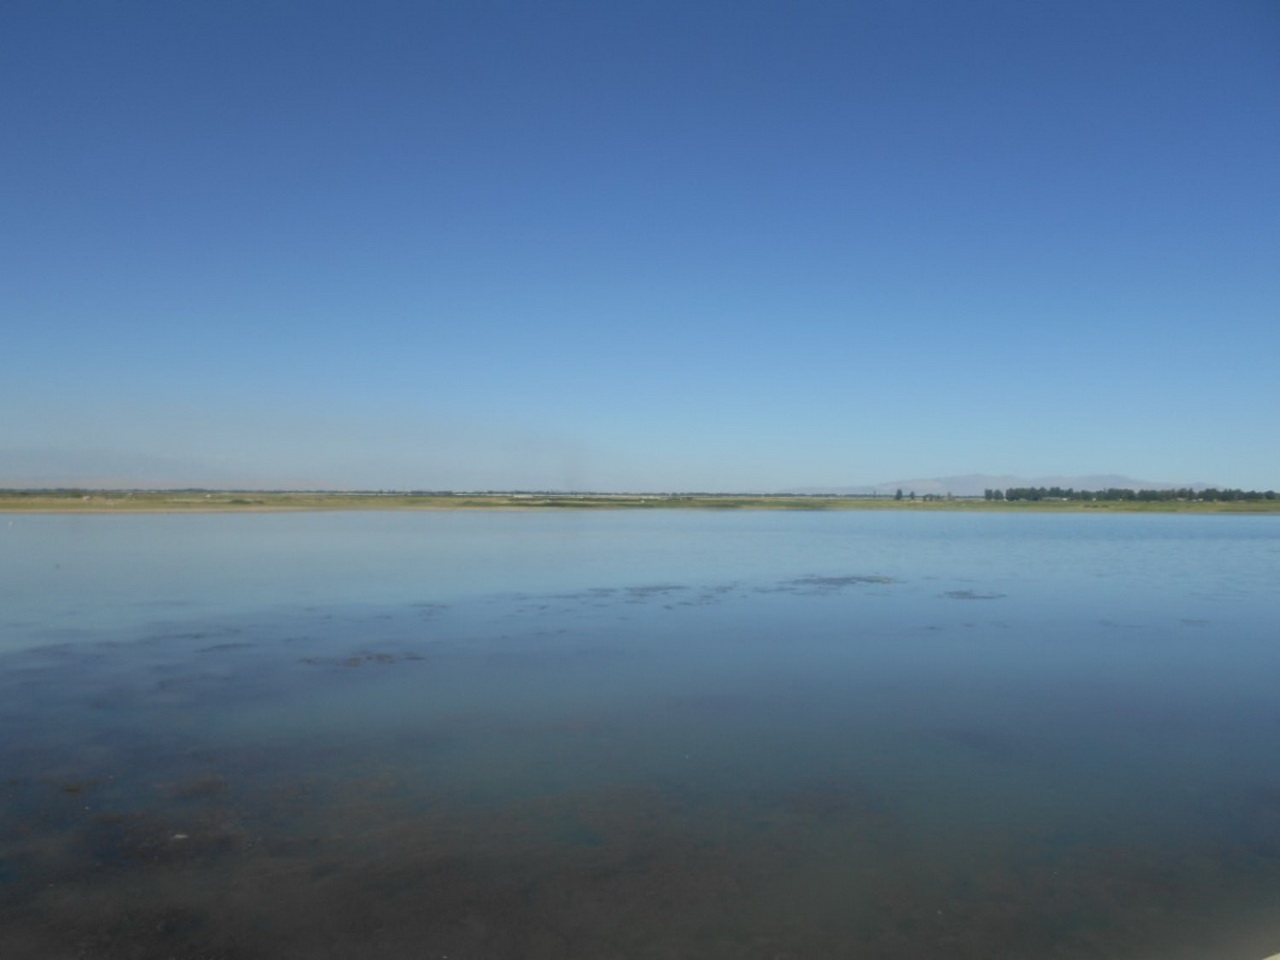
column 694, row 245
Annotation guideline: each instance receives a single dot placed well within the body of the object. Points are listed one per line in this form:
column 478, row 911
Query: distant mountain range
column 973, row 485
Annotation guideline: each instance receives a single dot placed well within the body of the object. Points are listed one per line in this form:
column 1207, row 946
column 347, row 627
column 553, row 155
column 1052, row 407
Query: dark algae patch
column 361, row 659
column 836, row 582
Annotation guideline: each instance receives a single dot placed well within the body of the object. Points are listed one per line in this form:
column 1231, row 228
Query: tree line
column 1115, row 493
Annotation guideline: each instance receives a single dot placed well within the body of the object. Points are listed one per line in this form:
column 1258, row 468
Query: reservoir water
column 640, row 734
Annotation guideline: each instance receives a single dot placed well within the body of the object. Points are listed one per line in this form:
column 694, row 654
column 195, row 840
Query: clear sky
column 638, row 245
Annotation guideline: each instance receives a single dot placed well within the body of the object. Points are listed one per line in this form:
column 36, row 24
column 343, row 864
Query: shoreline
column 237, row 502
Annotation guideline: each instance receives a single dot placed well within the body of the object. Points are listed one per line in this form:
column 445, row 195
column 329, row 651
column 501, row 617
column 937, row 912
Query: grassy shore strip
column 260, row 501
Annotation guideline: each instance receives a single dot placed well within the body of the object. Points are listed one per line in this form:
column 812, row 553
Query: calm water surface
column 640, row 735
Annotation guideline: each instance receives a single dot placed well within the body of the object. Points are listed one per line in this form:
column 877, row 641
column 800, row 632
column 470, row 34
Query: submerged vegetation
column 1032, row 498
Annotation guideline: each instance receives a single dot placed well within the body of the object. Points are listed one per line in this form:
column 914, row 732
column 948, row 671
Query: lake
column 640, row 734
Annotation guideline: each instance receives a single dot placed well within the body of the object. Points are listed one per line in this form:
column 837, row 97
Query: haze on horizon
column 638, row 246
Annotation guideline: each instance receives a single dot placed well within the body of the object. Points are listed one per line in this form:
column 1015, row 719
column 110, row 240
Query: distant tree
column 898, row 495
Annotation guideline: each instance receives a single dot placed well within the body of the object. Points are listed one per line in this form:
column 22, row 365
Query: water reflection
column 828, row 762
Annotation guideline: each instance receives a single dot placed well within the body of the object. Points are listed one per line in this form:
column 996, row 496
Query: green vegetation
column 133, row 501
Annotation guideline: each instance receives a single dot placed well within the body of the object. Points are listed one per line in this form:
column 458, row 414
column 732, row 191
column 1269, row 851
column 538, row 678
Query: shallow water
column 639, row 734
